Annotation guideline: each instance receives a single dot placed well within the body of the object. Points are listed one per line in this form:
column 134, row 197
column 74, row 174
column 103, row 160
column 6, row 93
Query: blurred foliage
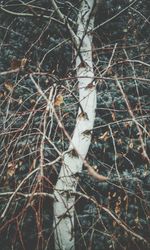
column 36, row 44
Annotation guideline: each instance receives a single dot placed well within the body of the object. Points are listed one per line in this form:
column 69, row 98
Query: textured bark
column 79, row 145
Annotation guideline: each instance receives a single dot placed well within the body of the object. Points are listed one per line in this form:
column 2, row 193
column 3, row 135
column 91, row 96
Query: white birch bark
column 67, row 182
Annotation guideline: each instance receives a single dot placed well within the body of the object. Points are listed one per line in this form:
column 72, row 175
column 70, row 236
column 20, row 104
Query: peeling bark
column 79, row 145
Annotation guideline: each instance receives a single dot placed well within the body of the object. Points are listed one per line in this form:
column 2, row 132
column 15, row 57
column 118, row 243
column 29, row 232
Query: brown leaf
column 20, row 101
column 96, row 175
column 23, row 62
column 131, row 144
column 105, row 136
column 90, row 85
column 113, row 116
column 1, row 94
column 11, row 169
column 82, row 64
column 128, row 124
column 114, row 194
column 119, row 141
column 73, row 153
column 114, row 223
column 32, row 101
column 117, row 208
column 15, row 64
column 109, row 71
column 59, row 100
column 87, row 133
column 8, row 85
column 83, row 115
column 126, row 203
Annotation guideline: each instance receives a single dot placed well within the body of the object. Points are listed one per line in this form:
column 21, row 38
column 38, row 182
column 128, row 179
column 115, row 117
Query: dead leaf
column 131, row 144
column 90, row 85
column 82, row 64
column 126, row 203
column 66, row 115
column 23, row 62
column 128, row 124
column 119, row 141
column 137, row 220
column 8, row 85
column 20, row 101
column 15, row 64
column 11, row 169
column 95, row 175
column 73, row 153
column 113, row 116
column 59, row 100
column 88, row 133
column 32, row 101
column 117, row 208
column 83, row 115
column 114, row 194
column 109, row 71
column 105, row 136
column 114, row 223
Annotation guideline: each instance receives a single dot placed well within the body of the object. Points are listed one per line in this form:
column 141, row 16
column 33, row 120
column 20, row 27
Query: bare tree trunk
column 79, row 145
